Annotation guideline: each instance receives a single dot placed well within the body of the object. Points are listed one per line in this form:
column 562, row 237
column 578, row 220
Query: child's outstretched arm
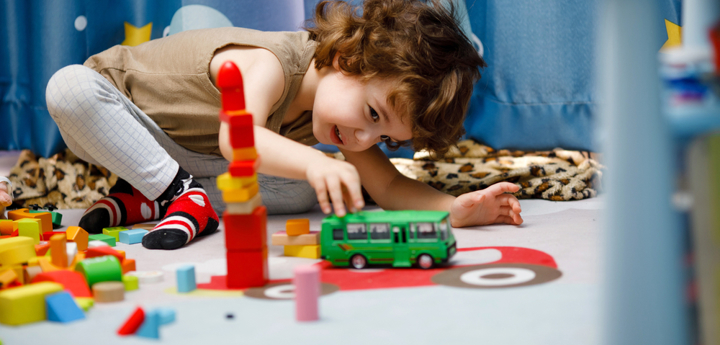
column 393, row 191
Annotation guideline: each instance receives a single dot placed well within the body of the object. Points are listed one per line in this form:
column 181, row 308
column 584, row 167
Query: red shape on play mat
column 72, row 281
column 133, row 322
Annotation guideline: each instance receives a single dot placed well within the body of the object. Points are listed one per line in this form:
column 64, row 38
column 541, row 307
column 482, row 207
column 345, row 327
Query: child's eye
column 374, row 114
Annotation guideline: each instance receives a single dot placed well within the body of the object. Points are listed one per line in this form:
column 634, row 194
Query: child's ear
column 336, row 62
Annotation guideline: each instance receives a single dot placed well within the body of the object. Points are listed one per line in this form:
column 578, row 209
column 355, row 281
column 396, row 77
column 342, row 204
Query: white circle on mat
column 146, row 277
column 286, row 291
column 198, row 199
column 80, row 23
column 145, row 211
column 517, row 276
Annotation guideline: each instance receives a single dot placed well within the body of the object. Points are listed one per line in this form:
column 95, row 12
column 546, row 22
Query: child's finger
column 354, row 189
column 505, row 219
column 511, row 201
column 322, row 196
column 336, row 197
column 503, row 187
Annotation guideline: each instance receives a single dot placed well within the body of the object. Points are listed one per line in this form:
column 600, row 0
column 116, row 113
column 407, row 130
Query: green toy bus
column 400, row 238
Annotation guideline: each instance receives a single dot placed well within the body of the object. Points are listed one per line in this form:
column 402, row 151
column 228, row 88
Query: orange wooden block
column 6, row 277
column 7, row 226
column 45, row 218
column 121, row 252
column 79, row 236
column 295, row 227
column 240, row 195
column 128, row 265
column 58, row 252
column 42, row 248
column 245, row 154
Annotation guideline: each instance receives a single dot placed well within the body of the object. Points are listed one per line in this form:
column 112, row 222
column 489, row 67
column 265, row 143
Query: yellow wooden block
column 29, row 227
column 114, row 232
column 7, row 276
column 295, row 227
column 26, row 304
column 227, row 182
column 79, row 236
column 245, row 154
column 84, row 302
column 240, row 195
column 246, row 207
column 23, row 213
column 16, row 250
column 282, row 239
column 310, row 252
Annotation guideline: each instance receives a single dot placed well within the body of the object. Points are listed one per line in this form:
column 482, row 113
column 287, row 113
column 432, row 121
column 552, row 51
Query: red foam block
column 241, row 168
column 103, row 251
column 133, row 322
column 247, row 268
column 230, row 82
column 72, row 281
column 246, row 231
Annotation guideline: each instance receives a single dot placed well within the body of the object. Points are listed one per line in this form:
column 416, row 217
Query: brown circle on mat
column 259, row 292
column 108, row 291
column 451, row 277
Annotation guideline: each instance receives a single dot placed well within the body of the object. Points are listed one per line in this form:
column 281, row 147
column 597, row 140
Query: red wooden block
column 46, row 235
column 237, row 118
column 230, row 82
column 242, row 136
column 71, row 280
column 247, row 268
column 241, row 168
column 15, row 232
column 246, row 231
column 103, row 251
column 133, row 322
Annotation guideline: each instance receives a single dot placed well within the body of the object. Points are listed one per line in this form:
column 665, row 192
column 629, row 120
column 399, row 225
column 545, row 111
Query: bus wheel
column 425, row 261
column 358, row 261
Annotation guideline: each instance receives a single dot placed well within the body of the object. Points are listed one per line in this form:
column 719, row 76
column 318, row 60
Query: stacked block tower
column 245, row 218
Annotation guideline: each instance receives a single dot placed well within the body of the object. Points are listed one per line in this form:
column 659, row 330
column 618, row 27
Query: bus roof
column 389, row 216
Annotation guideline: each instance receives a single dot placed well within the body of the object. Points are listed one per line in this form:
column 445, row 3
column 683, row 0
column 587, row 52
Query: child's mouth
column 336, row 136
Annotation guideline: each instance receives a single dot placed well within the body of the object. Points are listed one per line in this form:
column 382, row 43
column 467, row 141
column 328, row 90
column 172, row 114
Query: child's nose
column 365, row 137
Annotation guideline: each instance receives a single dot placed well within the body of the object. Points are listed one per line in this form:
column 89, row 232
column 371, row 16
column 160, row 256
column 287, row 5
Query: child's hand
column 340, row 180
column 487, row 206
column 5, row 198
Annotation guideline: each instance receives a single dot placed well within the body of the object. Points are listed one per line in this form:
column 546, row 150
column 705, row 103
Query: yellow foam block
column 245, row 154
column 79, row 236
column 25, row 304
column 295, row 227
column 114, row 232
column 85, row 302
column 246, row 207
column 29, row 227
column 16, row 250
column 310, row 252
column 227, row 182
column 283, row 239
column 240, row 195
column 7, row 276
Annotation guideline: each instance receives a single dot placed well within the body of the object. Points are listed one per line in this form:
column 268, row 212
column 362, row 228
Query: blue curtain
column 537, row 93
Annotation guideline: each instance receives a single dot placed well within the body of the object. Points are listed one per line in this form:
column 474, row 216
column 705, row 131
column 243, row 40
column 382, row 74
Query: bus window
column 411, row 235
column 426, row 231
column 357, row 231
column 379, row 231
column 338, row 235
column 444, row 229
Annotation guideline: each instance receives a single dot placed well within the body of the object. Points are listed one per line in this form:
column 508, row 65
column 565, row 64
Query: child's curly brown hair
column 416, row 44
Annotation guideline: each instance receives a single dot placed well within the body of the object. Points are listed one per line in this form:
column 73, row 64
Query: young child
column 5, row 195
column 402, row 71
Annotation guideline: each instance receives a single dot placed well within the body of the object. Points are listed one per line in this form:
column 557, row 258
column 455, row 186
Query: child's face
column 353, row 115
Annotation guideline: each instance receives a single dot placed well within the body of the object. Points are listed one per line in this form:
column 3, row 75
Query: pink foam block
column 307, row 292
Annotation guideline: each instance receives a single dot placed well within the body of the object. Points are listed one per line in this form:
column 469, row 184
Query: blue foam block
column 61, row 307
column 150, row 327
column 132, row 236
column 167, row 315
column 185, row 278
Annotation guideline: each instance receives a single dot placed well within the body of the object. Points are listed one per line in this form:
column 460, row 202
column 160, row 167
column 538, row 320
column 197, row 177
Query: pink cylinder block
column 307, row 292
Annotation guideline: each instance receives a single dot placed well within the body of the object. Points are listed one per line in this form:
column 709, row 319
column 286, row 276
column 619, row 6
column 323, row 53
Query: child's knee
column 68, row 89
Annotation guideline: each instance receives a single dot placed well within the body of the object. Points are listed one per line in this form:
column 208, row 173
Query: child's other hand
column 338, row 179
column 487, row 206
column 5, row 198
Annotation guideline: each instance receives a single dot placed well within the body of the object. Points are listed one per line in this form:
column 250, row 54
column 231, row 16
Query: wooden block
column 85, row 302
column 281, row 238
column 247, row 268
column 246, row 231
column 132, row 236
column 114, row 232
column 42, row 248
column 102, row 251
column 56, row 217
column 61, row 307
column 23, row 213
column 7, row 226
column 25, row 304
column 296, row 227
column 246, row 207
column 310, row 252
column 185, row 276
column 145, row 226
column 307, row 292
column 110, row 291
column 150, row 327
column 72, row 281
column 133, row 322
column 29, row 227
column 240, row 195
column 58, row 250
column 241, row 168
column 245, row 154
column 31, row 272
column 16, row 251
column 79, row 236
column 46, row 235
column 131, row 282
column 110, row 240
column 230, row 82
column 228, row 182
column 121, row 252
column 6, row 277
column 128, row 265
column 100, row 269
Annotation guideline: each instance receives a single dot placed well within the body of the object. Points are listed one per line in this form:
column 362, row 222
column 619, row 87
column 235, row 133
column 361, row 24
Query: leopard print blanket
column 65, row 181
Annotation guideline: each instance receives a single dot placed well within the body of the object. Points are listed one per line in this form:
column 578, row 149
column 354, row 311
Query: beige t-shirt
column 169, row 80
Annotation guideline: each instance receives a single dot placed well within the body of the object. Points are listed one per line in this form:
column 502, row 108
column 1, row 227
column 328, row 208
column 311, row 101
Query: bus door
column 401, row 250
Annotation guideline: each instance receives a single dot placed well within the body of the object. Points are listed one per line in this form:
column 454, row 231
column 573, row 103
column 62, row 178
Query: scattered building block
column 72, row 281
column 307, row 292
column 131, row 282
column 58, row 250
column 85, row 303
column 6, row 277
column 240, row 195
column 16, row 250
column 46, row 265
column 42, row 248
column 227, row 182
column 310, row 252
column 102, row 251
column 128, row 265
column 79, row 236
column 245, row 154
column 56, row 217
column 132, row 236
column 242, row 168
column 185, row 278
column 150, row 327
column 7, row 226
column 114, row 231
column 31, row 272
column 281, row 238
column 133, row 322
column 247, row 268
column 148, row 277
column 246, row 231
column 108, row 291
column 47, row 235
column 167, row 315
column 146, row 226
column 20, row 273
column 71, row 250
column 230, row 82
column 121, row 252
column 102, row 237
column 96, row 243
column 100, row 269
column 246, row 207
column 61, row 307
column 44, row 217
column 25, row 304
column 295, row 227
column 29, row 227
